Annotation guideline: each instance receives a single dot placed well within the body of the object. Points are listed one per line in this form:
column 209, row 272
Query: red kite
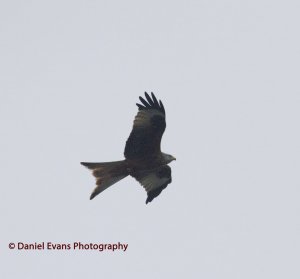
column 143, row 158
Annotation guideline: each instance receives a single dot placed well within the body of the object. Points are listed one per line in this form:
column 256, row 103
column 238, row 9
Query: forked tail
column 106, row 174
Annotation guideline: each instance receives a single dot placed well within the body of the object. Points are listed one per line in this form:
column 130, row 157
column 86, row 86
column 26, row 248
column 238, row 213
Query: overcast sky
column 228, row 75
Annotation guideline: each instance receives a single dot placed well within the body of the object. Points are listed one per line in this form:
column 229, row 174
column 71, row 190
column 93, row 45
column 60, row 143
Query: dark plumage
column 143, row 158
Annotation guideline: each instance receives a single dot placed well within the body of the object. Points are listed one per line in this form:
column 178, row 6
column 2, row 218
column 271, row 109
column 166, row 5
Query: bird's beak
column 174, row 158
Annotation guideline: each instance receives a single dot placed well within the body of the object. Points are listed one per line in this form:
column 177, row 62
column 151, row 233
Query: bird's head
column 168, row 158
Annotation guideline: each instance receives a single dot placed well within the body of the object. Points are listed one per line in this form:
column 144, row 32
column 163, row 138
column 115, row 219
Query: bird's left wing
column 154, row 181
column 148, row 128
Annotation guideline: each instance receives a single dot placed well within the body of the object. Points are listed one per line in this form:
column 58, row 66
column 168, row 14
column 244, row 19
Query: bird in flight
column 143, row 158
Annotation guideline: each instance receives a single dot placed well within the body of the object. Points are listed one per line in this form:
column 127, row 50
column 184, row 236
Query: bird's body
column 143, row 158
column 149, row 164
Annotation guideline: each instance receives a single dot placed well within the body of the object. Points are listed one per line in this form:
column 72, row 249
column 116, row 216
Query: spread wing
column 154, row 181
column 148, row 128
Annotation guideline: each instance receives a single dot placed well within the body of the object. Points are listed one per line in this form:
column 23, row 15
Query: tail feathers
column 106, row 174
column 104, row 182
column 93, row 166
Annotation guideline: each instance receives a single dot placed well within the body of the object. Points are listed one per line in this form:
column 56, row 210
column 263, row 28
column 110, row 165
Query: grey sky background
column 228, row 74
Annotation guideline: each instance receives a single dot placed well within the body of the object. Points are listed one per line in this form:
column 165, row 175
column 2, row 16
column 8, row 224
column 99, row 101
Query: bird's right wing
column 154, row 181
column 148, row 128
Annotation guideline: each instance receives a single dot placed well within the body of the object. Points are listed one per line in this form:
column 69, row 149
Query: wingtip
column 150, row 102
